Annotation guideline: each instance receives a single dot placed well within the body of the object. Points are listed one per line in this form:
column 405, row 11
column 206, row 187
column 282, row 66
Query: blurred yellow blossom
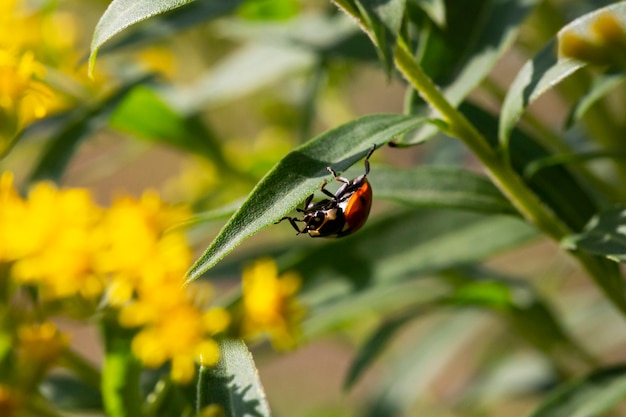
column 39, row 347
column 48, row 238
column 23, row 96
column 61, row 242
column 41, row 343
column 269, row 304
column 604, row 43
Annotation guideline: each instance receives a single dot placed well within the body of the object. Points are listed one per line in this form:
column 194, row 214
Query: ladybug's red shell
column 357, row 207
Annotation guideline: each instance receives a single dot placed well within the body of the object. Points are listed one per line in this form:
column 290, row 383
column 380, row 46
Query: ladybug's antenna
column 367, row 162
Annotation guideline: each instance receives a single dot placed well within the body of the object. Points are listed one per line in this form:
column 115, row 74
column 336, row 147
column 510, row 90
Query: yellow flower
column 41, row 343
column 269, row 304
column 23, row 96
column 39, row 346
column 49, row 236
column 179, row 335
column 604, row 44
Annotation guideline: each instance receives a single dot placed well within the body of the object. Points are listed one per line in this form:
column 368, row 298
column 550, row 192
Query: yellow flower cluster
column 605, row 44
column 24, row 96
column 61, row 242
column 269, row 304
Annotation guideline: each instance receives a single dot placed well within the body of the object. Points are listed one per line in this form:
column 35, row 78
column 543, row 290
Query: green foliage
column 456, row 275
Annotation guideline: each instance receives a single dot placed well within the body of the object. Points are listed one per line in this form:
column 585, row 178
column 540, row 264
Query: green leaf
column 406, row 246
column 435, row 9
column 586, row 397
column 144, row 114
column 555, row 185
column 76, row 127
column 233, row 383
column 601, row 86
column 298, row 175
column 536, row 77
column 604, row 235
column 167, row 25
column 383, row 20
column 120, row 373
column 445, row 187
column 544, row 71
column 374, row 345
column 459, row 57
column 124, row 13
column 425, row 359
column 530, row 316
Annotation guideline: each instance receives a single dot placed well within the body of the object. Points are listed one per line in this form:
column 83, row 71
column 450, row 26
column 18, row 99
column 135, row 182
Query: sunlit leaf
column 299, row 174
column 587, row 397
column 124, row 13
column 543, row 72
column 168, row 24
column 233, row 384
column 383, row 20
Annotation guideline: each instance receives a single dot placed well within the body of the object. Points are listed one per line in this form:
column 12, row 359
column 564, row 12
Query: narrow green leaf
column 424, row 360
column 565, row 159
column 601, row 86
column 167, row 25
column 144, row 114
column 604, row 235
column 124, row 13
column 405, row 246
column 446, row 187
column 459, row 57
column 586, row 397
column 299, row 174
column 530, row 316
column 383, row 20
column 77, row 126
column 555, row 185
column 233, row 383
column 375, row 344
column 536, row 77
column 544, row 71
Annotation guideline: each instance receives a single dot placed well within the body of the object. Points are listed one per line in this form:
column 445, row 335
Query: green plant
column 456, row 287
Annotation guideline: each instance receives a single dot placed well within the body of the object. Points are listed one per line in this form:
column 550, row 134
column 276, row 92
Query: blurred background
column 213, row 96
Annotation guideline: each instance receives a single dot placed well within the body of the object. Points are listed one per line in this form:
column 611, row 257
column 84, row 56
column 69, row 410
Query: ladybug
column 344, row 213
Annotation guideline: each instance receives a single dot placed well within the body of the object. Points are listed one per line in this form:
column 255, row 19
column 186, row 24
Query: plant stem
column 607, row 276
column 507, row 180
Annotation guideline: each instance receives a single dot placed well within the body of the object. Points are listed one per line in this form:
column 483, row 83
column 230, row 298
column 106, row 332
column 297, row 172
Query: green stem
column 506, row 179
column 524, row 200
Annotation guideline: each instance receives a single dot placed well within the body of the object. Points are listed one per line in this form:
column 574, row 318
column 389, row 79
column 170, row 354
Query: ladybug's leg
column 337, row 177
column 292, row 221
column 307, row 202
column 325, row 191
column 367, row 160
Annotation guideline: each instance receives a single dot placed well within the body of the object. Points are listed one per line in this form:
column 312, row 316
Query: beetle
column 343, row 213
